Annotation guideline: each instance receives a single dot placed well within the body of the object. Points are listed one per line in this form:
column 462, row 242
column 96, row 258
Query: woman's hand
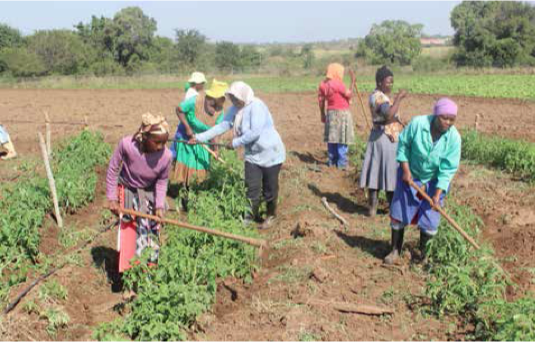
column 437, row 197
column 402, row 94
column 114, row 207
column 192, row 141
column 229, row 145
column 189, row 132
column 159, row 213
column 323, row 117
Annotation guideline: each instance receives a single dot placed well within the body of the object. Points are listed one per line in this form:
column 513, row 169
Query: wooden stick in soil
column 250, row 241
column 362, row 104
column 445, row 215
column 48, row 135
column 351, row 308
column 333, row 212
column 51, row 182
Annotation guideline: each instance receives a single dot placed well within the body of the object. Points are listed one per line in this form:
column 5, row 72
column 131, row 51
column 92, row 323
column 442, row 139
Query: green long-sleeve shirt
column 427, row 160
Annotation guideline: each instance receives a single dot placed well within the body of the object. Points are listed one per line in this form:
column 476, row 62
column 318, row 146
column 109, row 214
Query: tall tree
column 227, row 56
column 9, row 37
column 392, row 41
column 190, row 46
column 133, row 33
column 308, row 56
column 493, row 33
column 61, row 51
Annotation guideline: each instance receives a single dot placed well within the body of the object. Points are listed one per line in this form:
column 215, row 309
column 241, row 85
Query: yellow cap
column 217, row 89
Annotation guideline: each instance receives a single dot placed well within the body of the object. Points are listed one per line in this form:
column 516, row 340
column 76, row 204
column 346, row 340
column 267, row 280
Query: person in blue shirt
column 264, row 151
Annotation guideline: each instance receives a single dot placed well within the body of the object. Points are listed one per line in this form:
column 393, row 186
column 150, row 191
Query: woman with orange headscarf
column 339, row 126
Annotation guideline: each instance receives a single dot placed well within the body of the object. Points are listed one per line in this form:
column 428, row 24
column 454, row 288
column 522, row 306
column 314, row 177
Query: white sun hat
column 197, row 78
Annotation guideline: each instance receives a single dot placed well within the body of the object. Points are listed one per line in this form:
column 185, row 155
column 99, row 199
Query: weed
column 56, row 319
column 306, row 336
column 51, row 291
column 319, row 248
column 31, row 307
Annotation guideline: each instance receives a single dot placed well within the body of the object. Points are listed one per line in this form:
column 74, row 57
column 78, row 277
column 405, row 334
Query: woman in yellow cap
column 196, row 116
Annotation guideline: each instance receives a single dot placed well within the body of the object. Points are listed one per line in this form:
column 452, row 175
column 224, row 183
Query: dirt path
column 313, row 257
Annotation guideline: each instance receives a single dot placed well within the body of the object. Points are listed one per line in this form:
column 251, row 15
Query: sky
column 240, row 22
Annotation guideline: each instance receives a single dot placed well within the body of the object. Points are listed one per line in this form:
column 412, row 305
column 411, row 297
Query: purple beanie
column 445, row 106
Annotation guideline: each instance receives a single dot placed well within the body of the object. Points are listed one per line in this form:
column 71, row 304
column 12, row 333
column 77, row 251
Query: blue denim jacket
column 262, row 144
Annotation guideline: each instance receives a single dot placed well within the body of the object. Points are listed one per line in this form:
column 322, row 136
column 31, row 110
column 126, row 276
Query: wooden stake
column 362, row 104
column 51, row 182
column 351, row 308
column 250, row 241
column 333, row 212
column 211, row 152
column 48, row 135
column 445, row 215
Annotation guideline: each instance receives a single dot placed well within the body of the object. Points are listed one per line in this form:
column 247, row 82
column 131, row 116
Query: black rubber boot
column 422, row 244
column 397, row 240
column 373, row 202
column 271, row 214
column 389, row 195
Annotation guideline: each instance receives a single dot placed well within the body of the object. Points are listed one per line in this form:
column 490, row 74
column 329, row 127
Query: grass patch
column 513, row 156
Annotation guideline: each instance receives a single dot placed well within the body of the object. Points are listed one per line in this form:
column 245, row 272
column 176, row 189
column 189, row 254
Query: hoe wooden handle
column 250, row 241
column 445, row 215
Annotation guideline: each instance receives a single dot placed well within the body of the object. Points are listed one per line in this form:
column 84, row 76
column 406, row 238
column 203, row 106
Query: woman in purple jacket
column 137, row 179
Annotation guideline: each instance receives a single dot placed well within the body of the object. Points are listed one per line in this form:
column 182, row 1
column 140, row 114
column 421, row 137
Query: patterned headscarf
column 151, row 124
column 335, row 71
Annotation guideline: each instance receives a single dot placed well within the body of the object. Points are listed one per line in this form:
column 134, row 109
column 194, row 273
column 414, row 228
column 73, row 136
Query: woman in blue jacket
column 264, row 151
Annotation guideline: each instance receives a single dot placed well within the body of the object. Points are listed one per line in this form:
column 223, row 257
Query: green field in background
column 518, row 86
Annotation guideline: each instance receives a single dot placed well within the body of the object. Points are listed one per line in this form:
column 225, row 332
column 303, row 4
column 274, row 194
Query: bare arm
column 182, row 119
column 393, row 110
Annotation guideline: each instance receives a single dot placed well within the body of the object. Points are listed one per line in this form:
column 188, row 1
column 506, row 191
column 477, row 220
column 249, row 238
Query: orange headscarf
column 335, row 71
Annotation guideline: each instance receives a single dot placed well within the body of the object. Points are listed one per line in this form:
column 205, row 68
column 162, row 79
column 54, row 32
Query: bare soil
column 313, row 259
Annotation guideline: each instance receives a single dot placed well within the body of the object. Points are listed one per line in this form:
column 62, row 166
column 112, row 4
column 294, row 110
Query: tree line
column 487, row 34
column 124, row 44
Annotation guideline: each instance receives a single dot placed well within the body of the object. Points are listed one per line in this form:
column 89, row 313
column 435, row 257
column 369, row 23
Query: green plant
column 306, row 336
column 25, row 203
column 513, row 156
column 56, row 319
column 173, row 294
column 467, row 282
column 52, row 290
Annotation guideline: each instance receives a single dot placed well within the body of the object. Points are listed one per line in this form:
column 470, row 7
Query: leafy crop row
column 513, row 156
column 25, row 203
column 183, row 285
column 518, row 86
column 469, row 283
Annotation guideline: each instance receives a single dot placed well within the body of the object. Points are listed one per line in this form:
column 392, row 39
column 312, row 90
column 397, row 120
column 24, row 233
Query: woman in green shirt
column 429, row 151
column 194, row 160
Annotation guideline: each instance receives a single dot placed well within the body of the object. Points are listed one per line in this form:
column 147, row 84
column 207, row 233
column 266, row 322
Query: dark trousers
column 261, row 178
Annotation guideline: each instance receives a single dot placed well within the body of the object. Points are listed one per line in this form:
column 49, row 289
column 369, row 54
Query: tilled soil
column 313, row 260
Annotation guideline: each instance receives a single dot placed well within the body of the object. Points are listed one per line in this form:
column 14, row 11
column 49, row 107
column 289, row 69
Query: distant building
column 432, row 41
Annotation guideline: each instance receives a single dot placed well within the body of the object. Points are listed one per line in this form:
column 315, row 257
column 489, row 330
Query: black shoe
column 397, row 240
column 424, row 238
column 389, row 195
column 373, row 202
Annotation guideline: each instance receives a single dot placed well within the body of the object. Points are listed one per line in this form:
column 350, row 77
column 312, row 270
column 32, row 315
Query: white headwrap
column 242, row 91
